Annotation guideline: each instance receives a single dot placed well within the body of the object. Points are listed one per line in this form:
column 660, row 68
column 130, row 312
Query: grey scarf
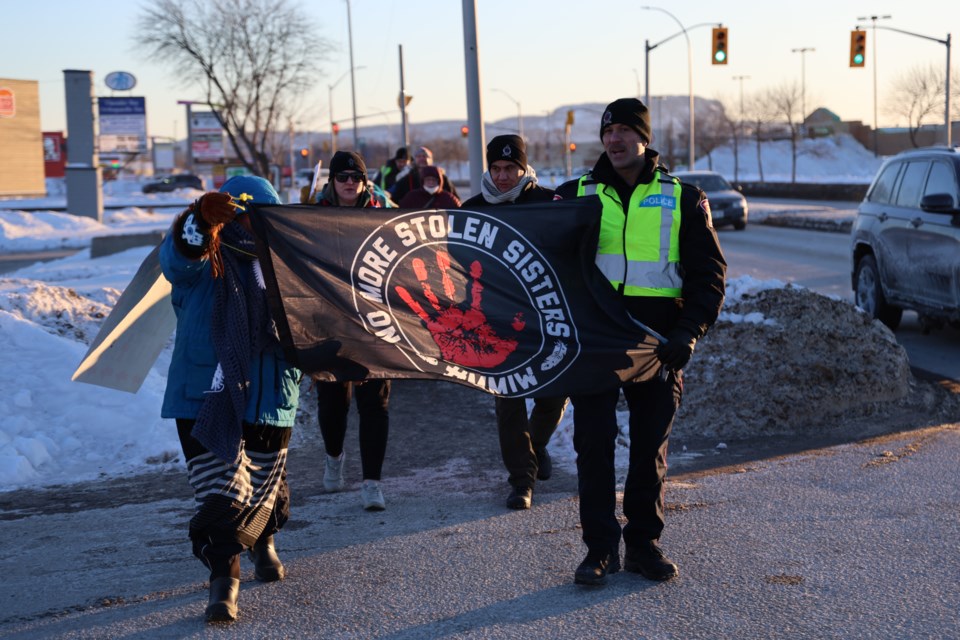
column 492, row 195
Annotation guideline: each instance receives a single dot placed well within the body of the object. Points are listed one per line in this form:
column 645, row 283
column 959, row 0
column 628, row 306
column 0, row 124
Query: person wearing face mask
column 430, row 194
column 411, row 177
column 523, row 440
column 348, row 187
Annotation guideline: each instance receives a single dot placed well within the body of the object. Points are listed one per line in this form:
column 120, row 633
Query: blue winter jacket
column 275, row 384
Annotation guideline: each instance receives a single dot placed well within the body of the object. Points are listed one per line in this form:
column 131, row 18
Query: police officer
column 658, row 249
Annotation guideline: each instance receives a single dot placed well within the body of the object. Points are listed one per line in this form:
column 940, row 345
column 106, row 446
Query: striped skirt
column 237, row 504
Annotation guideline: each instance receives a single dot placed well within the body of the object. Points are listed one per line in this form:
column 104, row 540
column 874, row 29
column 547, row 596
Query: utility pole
column 736, row 158
column 353, row 86
column 471, row 56
column 803, row 86
column 876, row 150
column 402, row 101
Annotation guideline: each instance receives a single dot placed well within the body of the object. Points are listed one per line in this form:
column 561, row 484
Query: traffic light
column 719, row 45
column 573, row 147
column 465, row 131
column 336, row 128
column 304, row 152
column 858, row 48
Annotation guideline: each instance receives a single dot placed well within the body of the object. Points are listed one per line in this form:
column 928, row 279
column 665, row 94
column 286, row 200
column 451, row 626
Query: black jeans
column 520, row 436
column 373, row 399
column 652, row 406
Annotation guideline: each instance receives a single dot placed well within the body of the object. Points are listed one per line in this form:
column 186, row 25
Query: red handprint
column 463, row 334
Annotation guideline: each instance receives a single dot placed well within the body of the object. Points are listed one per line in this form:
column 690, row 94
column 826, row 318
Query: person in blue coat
column 233, row 395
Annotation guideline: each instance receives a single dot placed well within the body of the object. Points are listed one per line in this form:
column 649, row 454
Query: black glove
column 215, row 209
column 676, row 351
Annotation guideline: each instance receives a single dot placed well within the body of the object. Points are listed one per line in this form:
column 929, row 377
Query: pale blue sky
column 543, row 53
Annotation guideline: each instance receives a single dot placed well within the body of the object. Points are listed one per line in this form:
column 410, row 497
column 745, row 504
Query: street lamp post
column 691, row 154
column 803, row 85
column 330, row 88
column 519, row 113
column 353, row 85
column 876, row 151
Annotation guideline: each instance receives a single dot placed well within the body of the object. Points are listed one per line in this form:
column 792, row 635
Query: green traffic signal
column 719, row 45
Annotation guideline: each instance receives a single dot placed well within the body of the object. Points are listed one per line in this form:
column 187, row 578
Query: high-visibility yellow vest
column 639, row 250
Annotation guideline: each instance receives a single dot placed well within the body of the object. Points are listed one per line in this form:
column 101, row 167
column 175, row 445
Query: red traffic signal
column 464, row 131
column 304, row 152
column 573, row 147
column 336, row 128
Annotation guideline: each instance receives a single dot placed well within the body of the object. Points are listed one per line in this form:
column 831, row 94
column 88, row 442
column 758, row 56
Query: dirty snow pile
column 783, row 360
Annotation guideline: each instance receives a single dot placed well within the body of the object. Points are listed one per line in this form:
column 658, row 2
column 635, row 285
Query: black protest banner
column 503, row 299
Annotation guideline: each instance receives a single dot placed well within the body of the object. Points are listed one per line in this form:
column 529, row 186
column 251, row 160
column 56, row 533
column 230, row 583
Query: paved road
column 854, row 541
column 13, row 261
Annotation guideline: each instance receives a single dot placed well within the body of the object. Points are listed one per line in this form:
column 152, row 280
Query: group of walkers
column 234, row 396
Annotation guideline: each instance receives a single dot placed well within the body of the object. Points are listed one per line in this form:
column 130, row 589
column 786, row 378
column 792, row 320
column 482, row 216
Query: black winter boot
column 648, row 560
column 596, row 567
column 544, row 463
column 266, row 564
column 223, row 600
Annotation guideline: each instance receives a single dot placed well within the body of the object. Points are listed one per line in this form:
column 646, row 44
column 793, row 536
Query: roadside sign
column 120, row 81
column 8, row 103
column 123, row 125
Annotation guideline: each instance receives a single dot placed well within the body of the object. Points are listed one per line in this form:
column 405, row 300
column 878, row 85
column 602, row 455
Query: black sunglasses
column 352, row 177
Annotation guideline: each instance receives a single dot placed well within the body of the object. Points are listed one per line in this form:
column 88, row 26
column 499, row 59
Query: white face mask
column 431, row 190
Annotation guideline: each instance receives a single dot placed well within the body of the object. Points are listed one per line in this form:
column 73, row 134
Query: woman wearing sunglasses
column 348, row 187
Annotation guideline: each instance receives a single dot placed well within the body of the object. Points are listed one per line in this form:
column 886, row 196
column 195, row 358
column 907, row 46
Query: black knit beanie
column 507, row 147
column 347, row 161
column 628, row 111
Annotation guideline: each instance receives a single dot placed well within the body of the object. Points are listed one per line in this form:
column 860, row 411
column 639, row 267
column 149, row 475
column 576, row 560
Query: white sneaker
column 372, row 496
column 333, row 473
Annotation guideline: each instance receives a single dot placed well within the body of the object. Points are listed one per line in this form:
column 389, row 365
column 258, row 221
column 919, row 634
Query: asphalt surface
column 773, row 539
column 858, row 540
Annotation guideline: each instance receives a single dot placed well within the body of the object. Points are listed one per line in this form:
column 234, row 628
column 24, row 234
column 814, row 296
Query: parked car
column 906, row 239
column 727, row 204
column 174, row 182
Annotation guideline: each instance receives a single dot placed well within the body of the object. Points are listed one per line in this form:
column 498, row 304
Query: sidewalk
column 821, row 216
column 852, row 541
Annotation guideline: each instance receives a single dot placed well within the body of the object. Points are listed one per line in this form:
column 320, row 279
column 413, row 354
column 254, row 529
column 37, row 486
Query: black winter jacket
column 702, row 264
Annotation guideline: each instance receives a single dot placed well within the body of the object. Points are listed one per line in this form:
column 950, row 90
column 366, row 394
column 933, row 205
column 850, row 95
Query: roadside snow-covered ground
column 56, row 431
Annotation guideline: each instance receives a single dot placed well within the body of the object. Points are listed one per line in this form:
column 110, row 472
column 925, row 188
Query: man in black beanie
column 658, row 249
column 523, row 440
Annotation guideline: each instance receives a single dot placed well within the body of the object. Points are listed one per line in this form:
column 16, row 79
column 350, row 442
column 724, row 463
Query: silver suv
column 906, row 239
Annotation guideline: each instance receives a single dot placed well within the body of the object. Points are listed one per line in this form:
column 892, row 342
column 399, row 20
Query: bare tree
column 918, row 96
column 759, row 112
column 785, row 101
column 251, row 58
column 712, row 131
